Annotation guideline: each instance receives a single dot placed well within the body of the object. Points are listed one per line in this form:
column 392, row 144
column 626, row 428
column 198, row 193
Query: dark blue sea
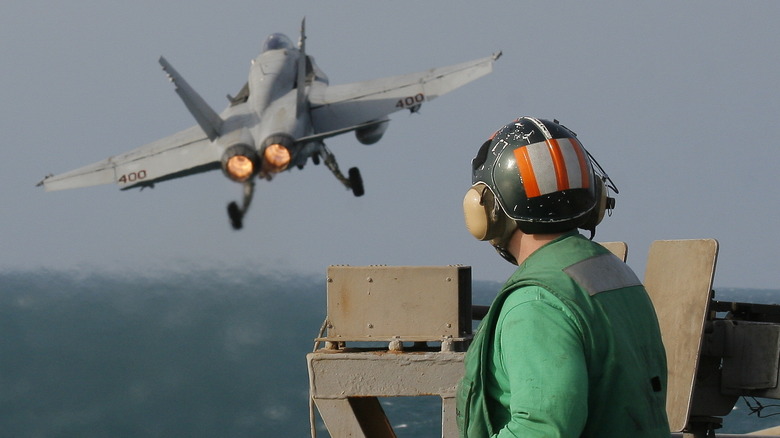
column 195, row 354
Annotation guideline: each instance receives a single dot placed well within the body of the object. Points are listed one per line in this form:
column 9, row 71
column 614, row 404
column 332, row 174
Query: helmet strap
column 503, row 252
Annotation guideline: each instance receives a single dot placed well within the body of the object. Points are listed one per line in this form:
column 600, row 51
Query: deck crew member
column 571, row 345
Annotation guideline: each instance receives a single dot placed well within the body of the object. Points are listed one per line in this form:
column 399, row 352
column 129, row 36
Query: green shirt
column 570, row 348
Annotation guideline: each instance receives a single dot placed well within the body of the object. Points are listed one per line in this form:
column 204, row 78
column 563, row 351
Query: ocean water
column 196, row 354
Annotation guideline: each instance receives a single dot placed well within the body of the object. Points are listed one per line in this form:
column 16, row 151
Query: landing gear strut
column 354, row 182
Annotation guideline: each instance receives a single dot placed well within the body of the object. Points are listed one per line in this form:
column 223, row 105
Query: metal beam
column 345, row 386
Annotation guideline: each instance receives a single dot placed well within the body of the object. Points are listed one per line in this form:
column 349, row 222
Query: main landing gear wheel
column 235, row 215
column 356, row 182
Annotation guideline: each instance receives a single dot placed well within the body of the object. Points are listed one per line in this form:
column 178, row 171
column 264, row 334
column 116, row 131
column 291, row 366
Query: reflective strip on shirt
column 602, row 273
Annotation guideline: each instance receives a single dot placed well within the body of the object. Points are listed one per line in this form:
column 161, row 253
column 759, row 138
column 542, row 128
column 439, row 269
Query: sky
column 678, row 101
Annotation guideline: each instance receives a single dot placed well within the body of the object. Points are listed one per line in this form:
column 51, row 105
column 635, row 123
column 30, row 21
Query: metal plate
column 406, row 303
column 679, row 278
column 620, row 249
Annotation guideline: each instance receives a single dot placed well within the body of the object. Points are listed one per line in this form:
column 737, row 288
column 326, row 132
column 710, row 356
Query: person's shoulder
column 531, row 295
column 536, row 304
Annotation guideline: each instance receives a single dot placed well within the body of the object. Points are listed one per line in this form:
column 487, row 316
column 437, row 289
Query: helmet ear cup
column 484, row 218
column 476, row 214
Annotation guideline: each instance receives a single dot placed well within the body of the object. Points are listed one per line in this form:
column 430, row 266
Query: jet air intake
column 239, row 162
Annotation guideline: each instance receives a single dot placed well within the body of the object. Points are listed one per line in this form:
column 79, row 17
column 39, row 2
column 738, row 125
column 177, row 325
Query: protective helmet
column 533, row 174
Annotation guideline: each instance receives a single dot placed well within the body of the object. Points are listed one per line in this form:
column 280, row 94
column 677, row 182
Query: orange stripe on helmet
column 559, row 164
column 527, row 174
column 583, row 162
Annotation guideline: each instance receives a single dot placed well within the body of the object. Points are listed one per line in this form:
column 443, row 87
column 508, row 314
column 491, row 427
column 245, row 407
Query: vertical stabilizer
column 206, row 117
column 300, row 81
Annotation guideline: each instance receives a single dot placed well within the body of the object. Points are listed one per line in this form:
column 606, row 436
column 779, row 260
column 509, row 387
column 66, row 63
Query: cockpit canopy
column 277, row 41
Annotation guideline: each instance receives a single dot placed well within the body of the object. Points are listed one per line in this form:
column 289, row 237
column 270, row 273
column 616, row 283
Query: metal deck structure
column 401, row 331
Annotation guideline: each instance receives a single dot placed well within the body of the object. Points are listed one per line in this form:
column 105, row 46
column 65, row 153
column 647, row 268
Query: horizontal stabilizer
column 206, row 117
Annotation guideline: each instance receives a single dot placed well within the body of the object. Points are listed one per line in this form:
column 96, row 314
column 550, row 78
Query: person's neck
column 522, row 245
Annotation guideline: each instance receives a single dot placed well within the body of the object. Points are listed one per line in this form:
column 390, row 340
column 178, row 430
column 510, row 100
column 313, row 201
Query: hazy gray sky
column 679, row 102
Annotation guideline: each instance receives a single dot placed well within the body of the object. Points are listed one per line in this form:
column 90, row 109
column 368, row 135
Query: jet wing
column 184, row 153
column 339, row 107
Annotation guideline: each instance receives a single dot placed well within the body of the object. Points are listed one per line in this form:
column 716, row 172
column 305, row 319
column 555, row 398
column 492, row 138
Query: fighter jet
column 276, row 122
